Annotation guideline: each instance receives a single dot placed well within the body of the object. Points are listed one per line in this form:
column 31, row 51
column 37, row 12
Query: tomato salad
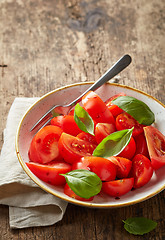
column 99, row 146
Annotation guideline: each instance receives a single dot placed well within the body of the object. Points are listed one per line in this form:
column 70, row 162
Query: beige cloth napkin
column 29, row 205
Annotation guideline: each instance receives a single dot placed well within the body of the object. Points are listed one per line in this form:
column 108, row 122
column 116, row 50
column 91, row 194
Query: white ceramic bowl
column 65, row 95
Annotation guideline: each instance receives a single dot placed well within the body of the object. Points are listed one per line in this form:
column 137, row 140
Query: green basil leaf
column 139, row 225
column 113, row 144
column 83, row 119
column 84, row 183
column 136, row 108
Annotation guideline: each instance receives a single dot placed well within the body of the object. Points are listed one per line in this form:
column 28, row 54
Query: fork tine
column 42, row 118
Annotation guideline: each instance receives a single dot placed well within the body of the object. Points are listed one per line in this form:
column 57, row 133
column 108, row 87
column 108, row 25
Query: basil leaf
column 139, row 225
column 136, row 108
column 113, row 144
column 83, row 183
column 83, row 119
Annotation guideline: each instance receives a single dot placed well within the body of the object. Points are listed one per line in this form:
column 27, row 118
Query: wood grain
column 48, row 44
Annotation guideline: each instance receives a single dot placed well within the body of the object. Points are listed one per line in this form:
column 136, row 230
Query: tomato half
column 126, row 121
column 96, row 108
column 129, row 150
column 87, row 137
column 114, row 109
column 73, row 148
column 68, row 191
column 141, row 170
column 49, row 173
column 102, row 130
column 123, row 166
column 156, row 146
column 67, row 124
column 141, row 145
column 119, row 187
column 44, row 145
column 105, row 169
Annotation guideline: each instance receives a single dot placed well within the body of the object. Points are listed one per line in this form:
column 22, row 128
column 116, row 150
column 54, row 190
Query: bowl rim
column 71, row 200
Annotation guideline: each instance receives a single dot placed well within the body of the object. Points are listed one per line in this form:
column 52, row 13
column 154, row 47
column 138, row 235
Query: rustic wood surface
column 48, row 44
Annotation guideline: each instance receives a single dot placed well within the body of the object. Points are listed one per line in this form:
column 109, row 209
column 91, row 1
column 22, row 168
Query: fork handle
column 121, row 64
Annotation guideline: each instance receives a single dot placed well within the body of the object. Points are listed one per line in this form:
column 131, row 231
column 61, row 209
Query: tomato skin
column 129, row 150
column 44, row 145
column 87, row 137
column 114, row 109
column 118, row 188
column 156, row 146
column 68, row 191
column 73, row 148
column 123, row 166
column 96, row 108
column 102, row 130
column 105, row 169
column 67, row 124
column 49, row 173
column 141, row 170
column 141, row 145
column 126, row 121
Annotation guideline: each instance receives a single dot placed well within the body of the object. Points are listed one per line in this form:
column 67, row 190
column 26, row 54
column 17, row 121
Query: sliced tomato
column 141, row 145
column 96, row 108
column 49, row 173
column 119, row 187
column 141, row 170
column 44, row 145
column 73, row 148
column 129, row 150
column 105, row 169
column 123, row 166
column 126, row 121
column 67, row 124
column 87, row 137
column 68, row 191
column 102, row 130
column 114, row 109
column 156, row 146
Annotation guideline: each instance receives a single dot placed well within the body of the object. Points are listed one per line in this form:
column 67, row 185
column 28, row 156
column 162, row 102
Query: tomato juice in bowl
column 66, row 95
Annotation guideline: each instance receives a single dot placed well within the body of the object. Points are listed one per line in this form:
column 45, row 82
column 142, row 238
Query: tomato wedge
column 87, row 137
column 67, row 124
column 105, row 169
column 126, row 121
column 141, row 170
column 114, row 109
column 156, row 146
column 44, row 145
column 123, row 166
column 102, row 130
column 49, row 173
column 96, row 108
column 73, row 148
column 119, row 187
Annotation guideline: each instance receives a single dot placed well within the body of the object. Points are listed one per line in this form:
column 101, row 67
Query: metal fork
column 121, row 64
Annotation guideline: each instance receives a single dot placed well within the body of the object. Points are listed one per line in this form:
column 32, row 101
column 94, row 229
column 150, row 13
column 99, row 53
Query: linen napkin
column 29, row 206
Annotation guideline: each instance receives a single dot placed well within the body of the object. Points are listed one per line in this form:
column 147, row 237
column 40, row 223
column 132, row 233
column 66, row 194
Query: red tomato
column 44, row 145
column 119, row 187
column 68, row 191
column 49, row 173
column 129, row 150
column 126, row 121
column 141, row 170
column 123, row 166
column 87, row 137
column 105, row 169
column 96, row 108
column 67, row 124
column 102, row 130
column 73, row 148
column 141, row 145
column 114, row 109
column 156, row 146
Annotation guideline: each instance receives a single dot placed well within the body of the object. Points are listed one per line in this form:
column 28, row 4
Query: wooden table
column 48, row 44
